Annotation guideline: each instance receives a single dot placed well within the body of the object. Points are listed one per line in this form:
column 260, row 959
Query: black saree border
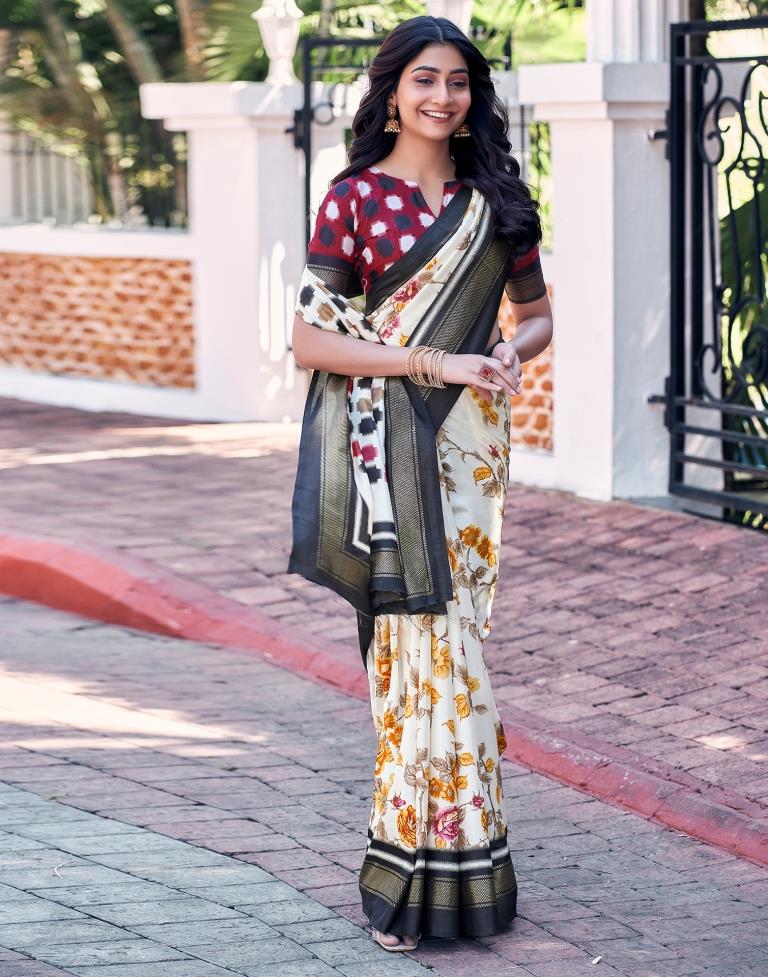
column 317, row 553
column 423, row 250
column 414, row 491
column 438, row 892
column 488, row 288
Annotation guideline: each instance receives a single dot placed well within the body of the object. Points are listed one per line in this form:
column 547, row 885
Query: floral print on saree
column 437, row 861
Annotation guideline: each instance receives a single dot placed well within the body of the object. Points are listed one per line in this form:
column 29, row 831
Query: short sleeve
column 525, row 279
column 331, row 253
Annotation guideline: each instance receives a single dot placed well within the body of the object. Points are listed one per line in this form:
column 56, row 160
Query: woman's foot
column 394, row 943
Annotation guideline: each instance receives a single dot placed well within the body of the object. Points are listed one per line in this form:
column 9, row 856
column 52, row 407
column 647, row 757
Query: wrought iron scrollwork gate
column 717, row 391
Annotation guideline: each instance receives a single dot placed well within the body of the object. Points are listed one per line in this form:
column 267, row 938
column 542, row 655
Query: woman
column 403, row 463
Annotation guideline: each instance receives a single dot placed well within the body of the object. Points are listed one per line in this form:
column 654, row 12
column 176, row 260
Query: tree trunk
column 194, row 32
column 139, row 56
column 697, row 10
column 62, row 61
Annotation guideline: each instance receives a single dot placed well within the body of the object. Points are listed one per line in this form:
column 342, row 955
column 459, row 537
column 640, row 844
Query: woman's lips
column 435, row 118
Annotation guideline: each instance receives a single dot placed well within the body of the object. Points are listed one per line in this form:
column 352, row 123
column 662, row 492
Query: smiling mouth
column 438, row 116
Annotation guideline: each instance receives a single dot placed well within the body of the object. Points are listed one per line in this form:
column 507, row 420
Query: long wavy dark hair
column 482, row 161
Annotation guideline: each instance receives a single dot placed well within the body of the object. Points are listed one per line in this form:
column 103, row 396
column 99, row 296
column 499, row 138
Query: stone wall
column 124, row 319
column 532, row 408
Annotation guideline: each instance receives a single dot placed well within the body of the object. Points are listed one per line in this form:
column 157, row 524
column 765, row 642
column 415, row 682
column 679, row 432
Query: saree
column 398, row 506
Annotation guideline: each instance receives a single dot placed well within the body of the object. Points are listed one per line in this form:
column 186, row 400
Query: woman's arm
column 319, row 349
column 534, row 328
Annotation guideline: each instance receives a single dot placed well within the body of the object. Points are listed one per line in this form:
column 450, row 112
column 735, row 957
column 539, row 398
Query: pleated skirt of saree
column 437, row 862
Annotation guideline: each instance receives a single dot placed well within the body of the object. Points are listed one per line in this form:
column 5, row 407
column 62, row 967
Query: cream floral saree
column 398, row 507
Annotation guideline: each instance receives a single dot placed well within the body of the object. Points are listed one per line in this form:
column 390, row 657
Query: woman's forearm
column 317, row 349
column 532, row 336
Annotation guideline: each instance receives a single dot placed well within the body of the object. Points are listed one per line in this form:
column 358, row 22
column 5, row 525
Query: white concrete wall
column 611, row 288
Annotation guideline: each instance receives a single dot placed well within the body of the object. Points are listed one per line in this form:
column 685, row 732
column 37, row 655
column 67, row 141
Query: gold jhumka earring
column 392, row 125
column 462, row 131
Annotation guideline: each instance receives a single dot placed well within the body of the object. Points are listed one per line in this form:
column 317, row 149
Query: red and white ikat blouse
column 368, row 221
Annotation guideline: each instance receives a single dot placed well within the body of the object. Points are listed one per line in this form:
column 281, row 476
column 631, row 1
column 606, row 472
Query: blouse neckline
column 410, row 183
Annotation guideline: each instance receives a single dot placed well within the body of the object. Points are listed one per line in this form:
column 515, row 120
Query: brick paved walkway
column 640, row 627
column 175, row 810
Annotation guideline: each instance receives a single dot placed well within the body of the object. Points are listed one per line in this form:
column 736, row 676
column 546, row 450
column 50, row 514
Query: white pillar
column 611, row 234
column 247, row 212
column 458, row 11
column 631, row 31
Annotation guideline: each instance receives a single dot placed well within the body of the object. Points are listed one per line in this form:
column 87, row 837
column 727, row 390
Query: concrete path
column 177, row 810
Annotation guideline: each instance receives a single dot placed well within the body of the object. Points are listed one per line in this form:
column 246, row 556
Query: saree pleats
column 437, row 861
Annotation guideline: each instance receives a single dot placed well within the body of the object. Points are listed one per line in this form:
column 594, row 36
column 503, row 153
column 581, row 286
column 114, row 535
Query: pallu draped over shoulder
column 398, row 507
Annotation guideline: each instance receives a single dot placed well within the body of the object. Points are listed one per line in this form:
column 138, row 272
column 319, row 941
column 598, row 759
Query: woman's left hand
column 508, row 355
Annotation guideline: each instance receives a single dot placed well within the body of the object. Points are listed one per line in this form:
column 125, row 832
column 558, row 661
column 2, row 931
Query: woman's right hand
column 463, row 368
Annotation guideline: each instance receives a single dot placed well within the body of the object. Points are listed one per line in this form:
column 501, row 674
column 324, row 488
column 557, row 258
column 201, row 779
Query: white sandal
column 400, row 947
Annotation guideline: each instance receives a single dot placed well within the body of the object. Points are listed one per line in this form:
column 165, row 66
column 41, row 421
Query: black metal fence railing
column 717, row 392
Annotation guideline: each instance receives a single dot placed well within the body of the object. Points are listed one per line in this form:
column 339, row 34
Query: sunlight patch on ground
column 246, row 440
column 41, row 699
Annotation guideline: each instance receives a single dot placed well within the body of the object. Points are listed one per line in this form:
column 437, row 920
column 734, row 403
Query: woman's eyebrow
column 426, row 67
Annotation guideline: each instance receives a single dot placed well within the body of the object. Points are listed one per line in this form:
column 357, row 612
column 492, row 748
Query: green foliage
column 235, row 51
column 542, row 33
column 80, row 98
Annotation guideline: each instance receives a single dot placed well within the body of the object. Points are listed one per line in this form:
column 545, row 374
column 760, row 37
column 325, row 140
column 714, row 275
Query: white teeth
column 438, row 115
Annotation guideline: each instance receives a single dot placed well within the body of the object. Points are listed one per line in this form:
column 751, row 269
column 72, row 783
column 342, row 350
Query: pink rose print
column 398, row 801
column 389, row 327
column 408, row 292
column 477, row 800
column 446, row 824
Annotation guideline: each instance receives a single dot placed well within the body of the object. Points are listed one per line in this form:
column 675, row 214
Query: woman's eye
column 455, row 84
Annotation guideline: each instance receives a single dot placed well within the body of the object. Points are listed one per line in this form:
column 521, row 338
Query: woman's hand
column 464, row 368
column 507, row 353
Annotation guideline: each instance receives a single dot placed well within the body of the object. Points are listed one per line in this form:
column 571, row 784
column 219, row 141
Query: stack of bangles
column 424, row 366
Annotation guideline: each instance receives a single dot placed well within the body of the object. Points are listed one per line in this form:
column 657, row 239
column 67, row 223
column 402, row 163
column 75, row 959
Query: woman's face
column 432, row 95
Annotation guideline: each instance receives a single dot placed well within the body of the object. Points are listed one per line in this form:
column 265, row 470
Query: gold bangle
column 410, row 362
column 440, row 358
column 435, row 365
column 429, row 360
column 420, row 378
column 424, row 366
column 436, row 368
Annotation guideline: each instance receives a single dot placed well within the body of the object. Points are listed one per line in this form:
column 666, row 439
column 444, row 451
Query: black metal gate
column 717, row 392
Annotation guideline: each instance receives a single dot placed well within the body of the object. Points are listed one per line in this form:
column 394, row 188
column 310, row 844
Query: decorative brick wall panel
column 126, row 319
column 532, row 408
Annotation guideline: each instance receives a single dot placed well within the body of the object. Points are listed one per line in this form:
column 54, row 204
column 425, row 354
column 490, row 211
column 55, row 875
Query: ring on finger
column 486, row 372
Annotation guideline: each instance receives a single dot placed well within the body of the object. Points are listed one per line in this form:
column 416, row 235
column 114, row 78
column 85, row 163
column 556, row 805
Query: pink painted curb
column 117, row 589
